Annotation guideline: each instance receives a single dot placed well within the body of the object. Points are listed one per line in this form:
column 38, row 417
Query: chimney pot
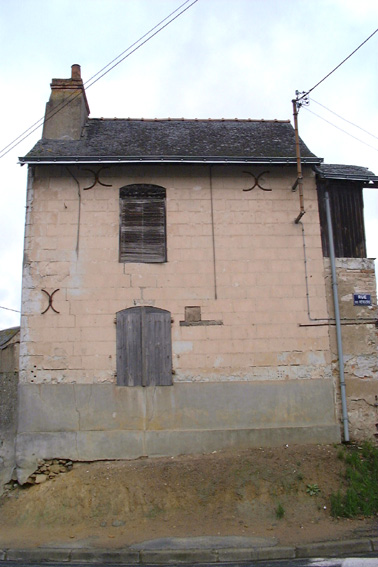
column 75, row 71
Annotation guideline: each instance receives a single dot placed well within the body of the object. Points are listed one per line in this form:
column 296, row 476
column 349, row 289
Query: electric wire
column 140, row 39
column 72, row 97
column 90, row 82
column 140, row 45
column 345, row 120
column 9, row 309
column 341, row 129
column 337, row 67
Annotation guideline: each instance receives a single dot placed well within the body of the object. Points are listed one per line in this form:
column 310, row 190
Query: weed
column 313, row 489
column 280, row 511
column 206, row 492
column 341, row 454
column 361, row 496
column 154, row 512
column 299, row 476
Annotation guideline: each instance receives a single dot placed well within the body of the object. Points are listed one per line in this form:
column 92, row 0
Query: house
column 171, row 304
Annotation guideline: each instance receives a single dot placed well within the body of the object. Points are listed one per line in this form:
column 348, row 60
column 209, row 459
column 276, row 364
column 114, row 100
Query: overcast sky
column 222, row 58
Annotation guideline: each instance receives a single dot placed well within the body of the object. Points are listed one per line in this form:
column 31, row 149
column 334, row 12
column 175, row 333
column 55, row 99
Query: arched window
column 142, row 230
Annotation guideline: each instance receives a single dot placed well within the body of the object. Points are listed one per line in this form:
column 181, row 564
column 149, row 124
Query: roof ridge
column 171, row 119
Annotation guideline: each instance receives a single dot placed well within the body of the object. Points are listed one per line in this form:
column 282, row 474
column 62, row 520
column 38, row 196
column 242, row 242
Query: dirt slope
column 226, row 493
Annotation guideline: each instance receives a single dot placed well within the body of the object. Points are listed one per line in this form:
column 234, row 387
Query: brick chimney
column 67, row 109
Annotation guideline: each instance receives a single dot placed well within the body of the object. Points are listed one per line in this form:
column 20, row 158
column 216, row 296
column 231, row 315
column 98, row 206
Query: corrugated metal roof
column 175, row 140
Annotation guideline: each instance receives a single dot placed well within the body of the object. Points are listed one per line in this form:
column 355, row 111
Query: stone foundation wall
column 360, row 341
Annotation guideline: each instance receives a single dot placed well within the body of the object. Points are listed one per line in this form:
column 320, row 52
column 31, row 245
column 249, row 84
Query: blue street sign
column 361, row 299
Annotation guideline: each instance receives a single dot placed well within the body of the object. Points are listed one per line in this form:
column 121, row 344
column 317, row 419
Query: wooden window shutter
column 129, row 347
column 142, row 224
column 144, row 347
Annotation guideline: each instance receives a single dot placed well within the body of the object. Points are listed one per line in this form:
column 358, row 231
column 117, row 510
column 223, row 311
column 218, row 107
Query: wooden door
column 144, row 347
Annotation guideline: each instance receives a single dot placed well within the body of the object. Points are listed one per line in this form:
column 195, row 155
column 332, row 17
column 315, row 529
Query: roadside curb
column 163, row 556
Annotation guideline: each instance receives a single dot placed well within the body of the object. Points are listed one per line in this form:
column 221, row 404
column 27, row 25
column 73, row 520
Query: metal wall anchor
column 50, row 296
column 257, row 181
column 96, row 177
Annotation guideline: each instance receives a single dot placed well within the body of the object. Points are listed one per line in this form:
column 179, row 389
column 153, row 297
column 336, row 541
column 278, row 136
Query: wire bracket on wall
column 50, row 305
column 96, row 175
column 256, row 181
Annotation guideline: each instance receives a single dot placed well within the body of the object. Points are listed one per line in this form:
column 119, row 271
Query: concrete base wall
column 94, row 422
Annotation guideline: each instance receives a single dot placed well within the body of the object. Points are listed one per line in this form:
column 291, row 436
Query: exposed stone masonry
column 49, row 469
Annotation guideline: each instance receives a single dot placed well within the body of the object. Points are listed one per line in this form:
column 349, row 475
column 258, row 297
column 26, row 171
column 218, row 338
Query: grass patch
column 280, row 512
column 361, row 495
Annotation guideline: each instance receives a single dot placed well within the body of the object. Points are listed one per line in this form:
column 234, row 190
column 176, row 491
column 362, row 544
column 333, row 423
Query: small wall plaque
column 361, row 299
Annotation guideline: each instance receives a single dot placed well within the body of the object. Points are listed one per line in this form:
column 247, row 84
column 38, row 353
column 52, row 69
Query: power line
column 140, row 39
column 337, row 67
column 74, row 96
column 345, row 120
column 338, row 128
column 91, row 81
column 8, row 309
column 140, row 45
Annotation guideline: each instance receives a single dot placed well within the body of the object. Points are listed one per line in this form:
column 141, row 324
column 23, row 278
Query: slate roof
column 175, row 140
column 6, row 335
column 346, row 172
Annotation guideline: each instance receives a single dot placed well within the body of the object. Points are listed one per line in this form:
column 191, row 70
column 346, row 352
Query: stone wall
column 360, row 340
column 9, row 353
column 244, row 270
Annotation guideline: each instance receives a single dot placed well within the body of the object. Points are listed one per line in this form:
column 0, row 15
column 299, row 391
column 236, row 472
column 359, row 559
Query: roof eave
column 368, row 180
column 371, row 181
column 167, row 159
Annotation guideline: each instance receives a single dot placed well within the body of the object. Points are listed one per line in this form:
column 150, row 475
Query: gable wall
column 262, row 377
column 257, row 275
